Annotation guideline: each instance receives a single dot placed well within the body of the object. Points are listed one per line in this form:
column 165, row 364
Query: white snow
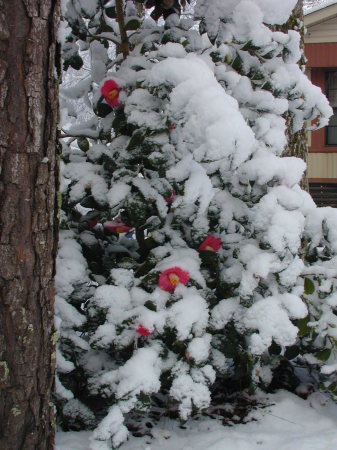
column 189, row 393
column 118, row 193
column 288, row 423
column 190, row 314
column 273, row 11
column 271, row 318
column 199, row 348
column 221, row 135
column 316, row 6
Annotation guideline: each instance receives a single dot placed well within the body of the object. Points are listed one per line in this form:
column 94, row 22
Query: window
column 331, row 93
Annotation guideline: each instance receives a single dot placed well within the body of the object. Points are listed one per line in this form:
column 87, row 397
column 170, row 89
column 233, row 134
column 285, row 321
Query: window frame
column 326, row 85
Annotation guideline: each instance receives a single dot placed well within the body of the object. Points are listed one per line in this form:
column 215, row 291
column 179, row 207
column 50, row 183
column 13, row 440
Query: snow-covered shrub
column 190, row 221
column 318, row 330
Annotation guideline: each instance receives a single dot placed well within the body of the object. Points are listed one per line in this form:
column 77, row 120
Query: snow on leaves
column 195, row 256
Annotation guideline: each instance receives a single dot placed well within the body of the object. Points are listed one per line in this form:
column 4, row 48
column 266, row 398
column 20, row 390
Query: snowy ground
column 289, row 423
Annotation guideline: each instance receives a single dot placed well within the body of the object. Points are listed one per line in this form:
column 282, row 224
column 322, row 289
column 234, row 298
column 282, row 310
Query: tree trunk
column 297, row 142
column 124, row 47
column 29, row 59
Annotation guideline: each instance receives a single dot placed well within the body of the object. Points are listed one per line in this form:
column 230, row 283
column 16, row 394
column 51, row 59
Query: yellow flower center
column 209, row 249
column 174, row 279
column 113, row 94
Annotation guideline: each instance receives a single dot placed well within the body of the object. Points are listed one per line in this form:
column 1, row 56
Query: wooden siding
column 322, row 165
column 321, row 55
column 322, row 32
column 321, row 15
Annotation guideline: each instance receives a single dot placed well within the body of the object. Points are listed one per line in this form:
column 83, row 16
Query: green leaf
column 90, row 202
column 143, row 404
column 104, row 28
column 137, row 139
column 111, row 12
column 209, row 259
column 150, row 305
column 137, row 68
column 109, row 164
column 150, row 281
column 323, row 355
column 211, row 36
column 274, row 349
column 249, row 46
column 202, row 26
column 148, row 47
column 269, row 55
column 120, row 124
column 237, row 64
column 267, row 86
column 75, row 61
column 302, row 325
column 291, row 352
column 83, row 144
column 102, row 109
column 216, row 56
column 309, row 287
column 132, row 25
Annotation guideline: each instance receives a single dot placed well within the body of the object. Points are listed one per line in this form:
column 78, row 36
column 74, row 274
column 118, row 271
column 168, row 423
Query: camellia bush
column 190, row 258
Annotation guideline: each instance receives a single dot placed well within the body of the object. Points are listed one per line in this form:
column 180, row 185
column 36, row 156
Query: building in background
column 321, row 53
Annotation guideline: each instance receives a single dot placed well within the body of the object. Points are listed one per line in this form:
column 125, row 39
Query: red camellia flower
column 143, row 331
column 92, row 223
column 110, row 91
column 172, row 127
column 169, row 200
column 170, row 278
column 116, row 227
column 210, row 244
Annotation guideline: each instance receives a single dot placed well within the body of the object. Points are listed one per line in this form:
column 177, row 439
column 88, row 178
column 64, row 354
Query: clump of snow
column 270, row 317
column 112, row 424
column 199, row 348
column 190, row 314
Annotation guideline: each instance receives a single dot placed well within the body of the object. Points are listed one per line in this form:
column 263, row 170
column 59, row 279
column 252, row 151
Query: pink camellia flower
column 116, row 227
column 170, row 278
column 210, row 244
column 143, row 331
column 169, row 200
column 110, row 91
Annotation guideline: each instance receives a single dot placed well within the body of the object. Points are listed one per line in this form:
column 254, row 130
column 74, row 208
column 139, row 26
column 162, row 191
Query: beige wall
column 323, row 32
column 322, row 165
column 321, row 25
column 322, row 28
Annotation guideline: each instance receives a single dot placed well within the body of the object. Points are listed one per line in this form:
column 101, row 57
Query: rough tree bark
column 297, row 142
column 124, row 47
column 29, row 59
